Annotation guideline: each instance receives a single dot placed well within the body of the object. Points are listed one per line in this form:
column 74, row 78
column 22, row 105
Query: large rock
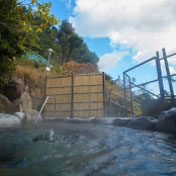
column 21, row 116
column 154, row 107
column 4, row 104
column 143, row 123
column 20, row 105
column 167, row 121
column 9, row 121
column 122, row 122
column 13, row 89
column 9, row 107
column 15, row 106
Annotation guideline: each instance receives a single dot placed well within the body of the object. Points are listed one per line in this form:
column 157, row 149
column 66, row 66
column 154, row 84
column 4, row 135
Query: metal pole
column 131, row 96
column 49, row 56
column 158, row 66
column 43, row 106
column 125, row 93
column 168, row 76
column 142, row 63
column 50, row 50
column 139, row 86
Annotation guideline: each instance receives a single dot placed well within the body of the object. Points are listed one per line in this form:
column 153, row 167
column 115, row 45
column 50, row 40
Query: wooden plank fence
column 75, row 96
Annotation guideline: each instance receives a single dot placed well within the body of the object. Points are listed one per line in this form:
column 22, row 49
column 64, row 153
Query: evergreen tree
column 73, row 46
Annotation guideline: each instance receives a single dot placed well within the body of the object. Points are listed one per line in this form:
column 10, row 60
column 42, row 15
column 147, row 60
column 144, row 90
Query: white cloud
column 110, row 60
column 144, row 25
column 172, row 70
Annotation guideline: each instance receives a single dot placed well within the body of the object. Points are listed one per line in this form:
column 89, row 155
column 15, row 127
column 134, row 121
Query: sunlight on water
column 80, row 149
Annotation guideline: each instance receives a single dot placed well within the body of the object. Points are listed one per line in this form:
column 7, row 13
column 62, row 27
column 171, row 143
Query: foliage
column 67, row 45
column 76, row 68
column 8, row 39
column 32, row 77
column 143, row 96
column 73, row 46
column 108, row 77
column 18, row 30
column 111, row 85
column 56, row 70
column 27, row 26
column 46, row 40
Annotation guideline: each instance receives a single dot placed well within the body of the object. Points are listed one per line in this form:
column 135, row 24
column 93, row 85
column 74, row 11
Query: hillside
column 24, row 31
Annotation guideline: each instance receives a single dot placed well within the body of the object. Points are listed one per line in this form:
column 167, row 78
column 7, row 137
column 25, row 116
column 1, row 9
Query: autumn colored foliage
column 78, row 68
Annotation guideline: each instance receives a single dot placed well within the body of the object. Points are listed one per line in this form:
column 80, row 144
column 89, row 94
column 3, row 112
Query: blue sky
column 63, row 9
column 123, row 33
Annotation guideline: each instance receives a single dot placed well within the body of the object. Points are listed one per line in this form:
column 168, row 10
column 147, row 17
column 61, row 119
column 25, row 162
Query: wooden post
column 158, row 66
column 72, row 97
column 55, row 106
column 45, row 83
column 168, row 76
column 103, row 79
column 44, row 97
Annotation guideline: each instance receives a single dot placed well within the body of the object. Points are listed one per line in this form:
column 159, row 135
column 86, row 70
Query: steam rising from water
column 87, row 149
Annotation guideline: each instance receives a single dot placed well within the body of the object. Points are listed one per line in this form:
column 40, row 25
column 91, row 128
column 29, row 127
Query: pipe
column 41, row 109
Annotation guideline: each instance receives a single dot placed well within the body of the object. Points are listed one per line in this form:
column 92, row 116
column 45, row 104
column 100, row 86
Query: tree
column 63, row 36
column 18, row 30
column 73, row 46
column 108, row 77
column 9, row 38
column 143, row 96
column 47, row 39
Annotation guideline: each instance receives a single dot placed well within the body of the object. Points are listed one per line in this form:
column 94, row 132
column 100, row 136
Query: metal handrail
column 121, row 106
column 124, row 97
column 159, row 79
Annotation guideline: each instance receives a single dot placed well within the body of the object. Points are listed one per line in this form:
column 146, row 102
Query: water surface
column 85, row 149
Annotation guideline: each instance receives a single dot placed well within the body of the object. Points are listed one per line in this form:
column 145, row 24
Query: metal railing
column 160, row 78
column 118, row 100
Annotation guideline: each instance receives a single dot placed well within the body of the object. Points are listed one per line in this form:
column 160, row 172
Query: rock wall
column 4, row 104
column 13, row 89
column 15, row 98
column 26, row 101
column 167, row 121
column 154, row 107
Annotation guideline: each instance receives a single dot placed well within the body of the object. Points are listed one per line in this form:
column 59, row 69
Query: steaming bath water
column 86, row 149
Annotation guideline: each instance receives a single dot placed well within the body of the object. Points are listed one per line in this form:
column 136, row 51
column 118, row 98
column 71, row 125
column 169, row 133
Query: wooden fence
column 75, row 96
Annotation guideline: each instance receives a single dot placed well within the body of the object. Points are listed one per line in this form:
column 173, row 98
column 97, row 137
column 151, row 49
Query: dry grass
column 32, row 77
